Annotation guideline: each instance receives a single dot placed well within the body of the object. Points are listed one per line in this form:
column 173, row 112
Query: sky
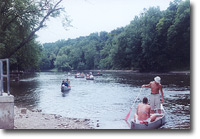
column 89, row 16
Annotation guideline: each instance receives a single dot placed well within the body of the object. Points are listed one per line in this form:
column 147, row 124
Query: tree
column 153, row 41
column 178, row 37
column 164, row 62
column 62, row 63
column 20, row 20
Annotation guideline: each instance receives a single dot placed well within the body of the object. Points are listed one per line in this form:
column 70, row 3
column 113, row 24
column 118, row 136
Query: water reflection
column 65, row 93
column 107, row 99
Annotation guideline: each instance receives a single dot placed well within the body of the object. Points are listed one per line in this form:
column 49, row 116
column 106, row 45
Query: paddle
column 161, row 107
column 127, row 116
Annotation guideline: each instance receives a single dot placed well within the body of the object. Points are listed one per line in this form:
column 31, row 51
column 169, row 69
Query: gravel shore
column 35, row 119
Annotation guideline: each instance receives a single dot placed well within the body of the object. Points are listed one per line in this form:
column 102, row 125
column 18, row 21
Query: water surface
column 106, row 100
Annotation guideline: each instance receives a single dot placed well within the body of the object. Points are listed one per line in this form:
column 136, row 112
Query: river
column 106, row 100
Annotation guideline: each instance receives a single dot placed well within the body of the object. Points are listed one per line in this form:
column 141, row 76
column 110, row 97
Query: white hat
column 157, row 79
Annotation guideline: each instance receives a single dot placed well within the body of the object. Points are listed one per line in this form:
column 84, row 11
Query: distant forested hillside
column 155, row 40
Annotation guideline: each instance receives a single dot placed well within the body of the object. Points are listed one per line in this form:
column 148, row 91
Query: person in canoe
column 82, row 74
column 155, row 96
column 63, row 82
column 91, row 76
column 77, row 75
column 68, row 82
column 143, row 113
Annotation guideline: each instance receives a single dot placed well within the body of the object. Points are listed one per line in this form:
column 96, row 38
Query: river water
column 106, row 100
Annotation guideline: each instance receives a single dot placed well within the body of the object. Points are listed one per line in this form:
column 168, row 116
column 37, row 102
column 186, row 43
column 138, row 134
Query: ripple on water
column 107, row 99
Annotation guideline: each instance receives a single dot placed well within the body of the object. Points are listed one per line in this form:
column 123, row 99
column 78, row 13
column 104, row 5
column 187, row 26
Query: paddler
column 155, row 96
column 143, row 113
column 68, row 82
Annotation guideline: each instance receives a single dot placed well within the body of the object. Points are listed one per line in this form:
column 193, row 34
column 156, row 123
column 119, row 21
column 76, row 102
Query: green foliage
column 62, row 63
column 19, row 20
column 153, row 41
column 178, row 37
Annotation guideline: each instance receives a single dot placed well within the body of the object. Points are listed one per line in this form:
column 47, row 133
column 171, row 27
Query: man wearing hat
column 155, row 96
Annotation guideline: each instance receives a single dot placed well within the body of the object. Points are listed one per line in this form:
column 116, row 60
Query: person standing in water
column 155, row 96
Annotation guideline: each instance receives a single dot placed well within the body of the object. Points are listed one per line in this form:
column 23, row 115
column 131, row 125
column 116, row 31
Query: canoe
column 88, row 78
column 79, row 76
column 98, row 74
column 65, row 88
column 160, row 120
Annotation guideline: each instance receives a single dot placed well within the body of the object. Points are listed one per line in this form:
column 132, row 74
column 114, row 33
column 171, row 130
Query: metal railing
column 6, row 75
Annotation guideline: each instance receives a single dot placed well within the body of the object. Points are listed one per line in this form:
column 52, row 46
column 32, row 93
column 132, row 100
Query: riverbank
column 180, row 72
column 128, row 71
column 35, row 119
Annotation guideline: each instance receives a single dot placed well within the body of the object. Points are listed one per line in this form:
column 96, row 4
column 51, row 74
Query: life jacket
column 66, row 84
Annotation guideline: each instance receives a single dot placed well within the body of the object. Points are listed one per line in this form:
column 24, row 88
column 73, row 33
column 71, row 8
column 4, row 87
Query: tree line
column 155, row 40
